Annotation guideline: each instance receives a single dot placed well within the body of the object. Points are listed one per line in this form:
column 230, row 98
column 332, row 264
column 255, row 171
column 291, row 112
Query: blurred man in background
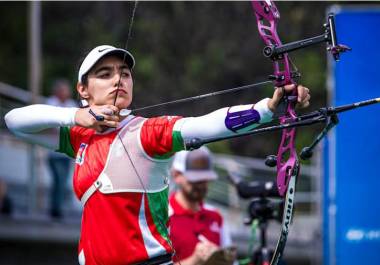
column 197, row 230
column 59, row 164
column 6, row 207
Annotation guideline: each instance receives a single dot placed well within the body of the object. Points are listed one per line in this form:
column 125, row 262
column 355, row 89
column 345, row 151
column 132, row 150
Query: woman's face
column 109, row 77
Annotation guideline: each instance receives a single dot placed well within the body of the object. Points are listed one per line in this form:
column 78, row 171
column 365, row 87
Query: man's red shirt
column 187, row 226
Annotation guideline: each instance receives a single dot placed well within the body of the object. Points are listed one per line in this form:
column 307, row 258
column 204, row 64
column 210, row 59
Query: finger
column 107, row 111
column 111, row 118
column 278, row 94
column 308, row 97
column 305, row 99
column 302, row 92
column 290, row 87
column 279, row 90
column 112, row 124
column 95, row 115
column 114, row 109
column 305, row 105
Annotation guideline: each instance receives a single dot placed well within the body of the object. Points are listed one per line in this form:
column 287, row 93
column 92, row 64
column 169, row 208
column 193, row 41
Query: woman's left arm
column 237, row 119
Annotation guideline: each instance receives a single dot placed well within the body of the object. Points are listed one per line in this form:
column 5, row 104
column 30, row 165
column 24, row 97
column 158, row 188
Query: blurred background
column 182, row 49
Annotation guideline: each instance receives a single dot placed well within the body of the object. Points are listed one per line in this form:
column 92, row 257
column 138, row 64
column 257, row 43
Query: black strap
column 157, row 260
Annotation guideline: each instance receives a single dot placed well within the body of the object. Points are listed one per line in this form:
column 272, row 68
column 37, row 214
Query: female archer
column 121, row 160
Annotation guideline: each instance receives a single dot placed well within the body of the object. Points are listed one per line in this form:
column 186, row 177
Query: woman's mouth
column 119, row 91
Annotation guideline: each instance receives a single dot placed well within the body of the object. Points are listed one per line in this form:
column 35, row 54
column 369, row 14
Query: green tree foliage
column 13, row 44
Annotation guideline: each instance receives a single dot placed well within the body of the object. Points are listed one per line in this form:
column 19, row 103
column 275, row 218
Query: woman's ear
column 83, row 94
column 82, row 91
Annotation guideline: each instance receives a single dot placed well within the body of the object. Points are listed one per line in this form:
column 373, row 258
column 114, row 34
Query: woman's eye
column 125, row 74
column 104, row 75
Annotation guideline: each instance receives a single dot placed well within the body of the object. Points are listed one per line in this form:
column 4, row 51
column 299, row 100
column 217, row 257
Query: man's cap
column 195, row 165
column 99, row 52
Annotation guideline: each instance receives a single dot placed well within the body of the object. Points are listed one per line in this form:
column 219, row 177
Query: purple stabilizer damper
column 241, row 119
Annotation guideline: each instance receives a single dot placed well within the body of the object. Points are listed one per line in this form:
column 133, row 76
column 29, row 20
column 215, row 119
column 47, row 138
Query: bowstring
column 163, row 226
column 131, row 21
column 198, row 97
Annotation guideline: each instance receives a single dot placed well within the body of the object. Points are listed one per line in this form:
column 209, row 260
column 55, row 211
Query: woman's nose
column 117, row 79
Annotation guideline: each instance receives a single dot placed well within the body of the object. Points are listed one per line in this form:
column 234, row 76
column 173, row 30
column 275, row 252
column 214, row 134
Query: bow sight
column 329, row 36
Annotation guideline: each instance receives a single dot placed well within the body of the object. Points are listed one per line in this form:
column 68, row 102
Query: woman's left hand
column 302, row 99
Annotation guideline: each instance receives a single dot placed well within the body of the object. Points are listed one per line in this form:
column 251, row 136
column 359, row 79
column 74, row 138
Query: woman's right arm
column 27, row 123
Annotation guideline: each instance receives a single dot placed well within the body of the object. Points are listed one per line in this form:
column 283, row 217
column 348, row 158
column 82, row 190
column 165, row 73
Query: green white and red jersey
column 127, row 222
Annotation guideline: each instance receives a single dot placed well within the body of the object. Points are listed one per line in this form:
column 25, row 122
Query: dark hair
column 84, row 79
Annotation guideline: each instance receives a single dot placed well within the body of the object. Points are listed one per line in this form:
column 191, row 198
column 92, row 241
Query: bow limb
column 288, row 166
column 267, row 16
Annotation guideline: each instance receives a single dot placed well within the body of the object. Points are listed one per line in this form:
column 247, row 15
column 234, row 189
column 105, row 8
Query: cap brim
column 100, row 52
column 200, row 175
column 123, row 54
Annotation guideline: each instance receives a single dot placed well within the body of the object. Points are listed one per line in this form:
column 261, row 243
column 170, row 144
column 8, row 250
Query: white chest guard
column 128, row 168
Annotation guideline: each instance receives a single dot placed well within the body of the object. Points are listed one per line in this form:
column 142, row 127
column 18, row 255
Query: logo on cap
column 101, row 50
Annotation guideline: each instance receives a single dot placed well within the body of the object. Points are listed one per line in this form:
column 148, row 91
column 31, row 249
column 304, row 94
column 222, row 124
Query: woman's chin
column 123, row 104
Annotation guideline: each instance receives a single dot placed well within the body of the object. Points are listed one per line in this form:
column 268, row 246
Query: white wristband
column 262, row 108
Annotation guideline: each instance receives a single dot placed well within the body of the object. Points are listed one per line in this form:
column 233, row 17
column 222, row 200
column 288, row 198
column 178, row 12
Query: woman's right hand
column 85, row 119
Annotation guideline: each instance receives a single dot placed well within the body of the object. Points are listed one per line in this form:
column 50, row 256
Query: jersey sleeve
column 70, row 139
column 225, row 122
column 65, row 146
column 159, row 137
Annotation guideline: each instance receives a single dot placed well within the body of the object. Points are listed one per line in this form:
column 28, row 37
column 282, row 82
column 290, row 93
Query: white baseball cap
column 195, row 165
column 99, row 52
